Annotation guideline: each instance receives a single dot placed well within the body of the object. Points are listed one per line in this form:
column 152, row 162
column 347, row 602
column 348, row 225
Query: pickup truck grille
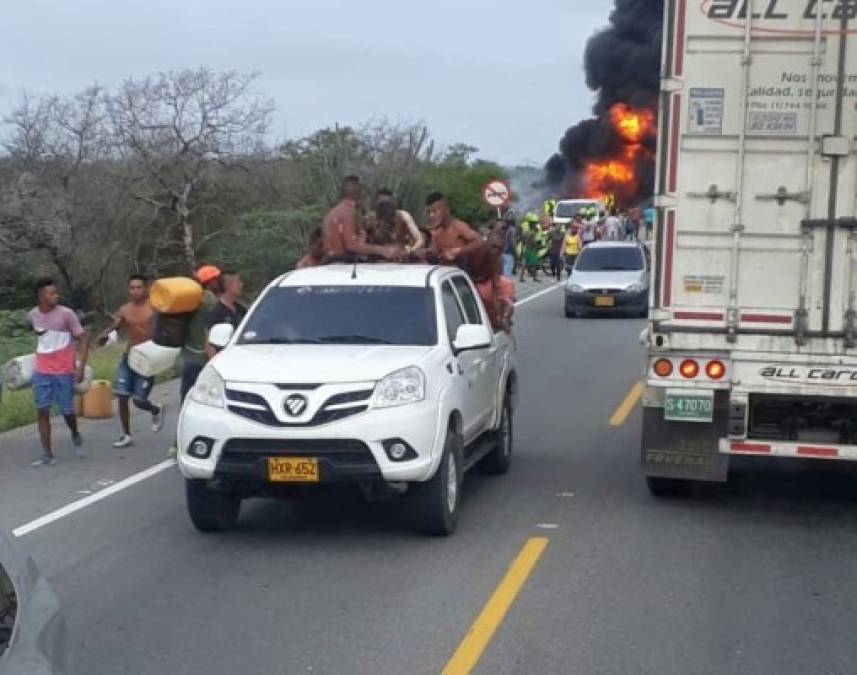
column 256, row 408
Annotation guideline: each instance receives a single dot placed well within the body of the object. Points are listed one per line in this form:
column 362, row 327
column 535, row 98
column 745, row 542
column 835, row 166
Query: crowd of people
column 384, row 232
column 532, row 242
column 63, row 349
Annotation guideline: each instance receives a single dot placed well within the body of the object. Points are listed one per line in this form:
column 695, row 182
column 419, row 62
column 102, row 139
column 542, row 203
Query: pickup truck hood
column 314, row 364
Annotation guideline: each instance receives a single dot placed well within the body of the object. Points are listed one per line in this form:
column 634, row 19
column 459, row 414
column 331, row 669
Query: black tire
column 499, row 460
column 669, row 487
column 431, row 500
column 210, row 510
column 569, row 314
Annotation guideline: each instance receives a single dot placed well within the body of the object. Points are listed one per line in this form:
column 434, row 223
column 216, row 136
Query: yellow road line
column 471, row 648
column 627, row 405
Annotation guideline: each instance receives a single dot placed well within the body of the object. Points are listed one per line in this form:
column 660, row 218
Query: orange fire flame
column 617, row 176
column 632, row 125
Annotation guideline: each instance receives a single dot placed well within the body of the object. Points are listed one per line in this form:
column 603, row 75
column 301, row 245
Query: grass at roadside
column 18, row 409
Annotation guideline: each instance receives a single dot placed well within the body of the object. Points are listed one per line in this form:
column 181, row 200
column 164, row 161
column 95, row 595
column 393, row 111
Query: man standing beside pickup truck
column 228, row 309
column 341, row 236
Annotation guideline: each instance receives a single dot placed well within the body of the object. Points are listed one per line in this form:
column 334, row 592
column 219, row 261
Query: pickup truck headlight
column 401, row 388
column 576, row 288
column 634, row 288
column 208, row 389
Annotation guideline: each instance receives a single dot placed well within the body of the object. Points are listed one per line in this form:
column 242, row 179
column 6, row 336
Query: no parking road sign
column 497, row 194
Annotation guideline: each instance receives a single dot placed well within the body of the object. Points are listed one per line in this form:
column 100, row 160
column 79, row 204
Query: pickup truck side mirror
column 220, row 335
column 471, row 336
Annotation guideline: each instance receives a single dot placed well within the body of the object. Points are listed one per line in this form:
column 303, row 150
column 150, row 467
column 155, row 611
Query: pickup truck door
column 464, row 365
column 485, row 385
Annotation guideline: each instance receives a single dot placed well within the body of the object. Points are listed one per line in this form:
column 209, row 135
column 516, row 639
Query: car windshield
column 571, row 209
column 610, row 259
column 354, row 315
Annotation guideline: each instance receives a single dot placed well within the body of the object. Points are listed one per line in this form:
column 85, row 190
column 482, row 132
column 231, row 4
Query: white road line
column 537, row 295
column 68, row 509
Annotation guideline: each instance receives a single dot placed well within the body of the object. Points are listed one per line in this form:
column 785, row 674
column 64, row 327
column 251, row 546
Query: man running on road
column 58, row 329
column 136, row 318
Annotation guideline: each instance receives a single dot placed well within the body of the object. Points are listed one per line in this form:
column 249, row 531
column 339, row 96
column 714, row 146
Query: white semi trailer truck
column 752, row 336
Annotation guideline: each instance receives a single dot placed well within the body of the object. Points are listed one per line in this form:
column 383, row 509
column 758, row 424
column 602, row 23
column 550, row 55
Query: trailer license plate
column 293, row 470
column 689, row 405
column 604, row 301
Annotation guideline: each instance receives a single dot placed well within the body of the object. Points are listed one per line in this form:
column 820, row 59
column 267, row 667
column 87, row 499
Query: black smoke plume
column 622, row 64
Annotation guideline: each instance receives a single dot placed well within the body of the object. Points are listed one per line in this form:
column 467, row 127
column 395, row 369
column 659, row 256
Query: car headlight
column 401, row 388
column 208, row 389
column 635, row 288
column 576, row 288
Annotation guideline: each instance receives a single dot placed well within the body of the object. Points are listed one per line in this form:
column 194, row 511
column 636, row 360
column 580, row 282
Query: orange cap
column 207, row 273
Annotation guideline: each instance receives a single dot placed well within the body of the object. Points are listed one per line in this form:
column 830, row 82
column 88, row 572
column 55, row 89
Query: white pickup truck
column 388, row 376
column 752, row 337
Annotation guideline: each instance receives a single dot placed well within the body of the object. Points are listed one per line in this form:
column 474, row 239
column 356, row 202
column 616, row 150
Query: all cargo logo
column 799, row 375
column 780, row 17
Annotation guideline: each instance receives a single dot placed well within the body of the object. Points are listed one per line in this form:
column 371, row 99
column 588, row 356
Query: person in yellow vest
column 550, row 212
column 571, row 245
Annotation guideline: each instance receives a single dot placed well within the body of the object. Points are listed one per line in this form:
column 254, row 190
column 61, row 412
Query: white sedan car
column 387, row 376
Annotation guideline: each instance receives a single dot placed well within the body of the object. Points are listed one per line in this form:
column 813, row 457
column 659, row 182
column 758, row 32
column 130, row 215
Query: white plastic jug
column 84, row 386
column 18, row 372
column 149, row 359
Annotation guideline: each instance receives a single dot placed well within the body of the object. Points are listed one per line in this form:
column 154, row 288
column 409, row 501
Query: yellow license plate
column 292, row 470
column 604, row 301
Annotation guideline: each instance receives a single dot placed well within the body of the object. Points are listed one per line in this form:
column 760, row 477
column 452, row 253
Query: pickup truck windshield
column 616, row 259
column 337, row 315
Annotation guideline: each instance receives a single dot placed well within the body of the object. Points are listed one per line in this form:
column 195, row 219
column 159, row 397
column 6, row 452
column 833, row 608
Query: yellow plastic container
column 175, row 295
column 98, row 401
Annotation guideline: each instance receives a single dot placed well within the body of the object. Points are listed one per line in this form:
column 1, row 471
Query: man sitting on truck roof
column 341, row 236
column 450, row 237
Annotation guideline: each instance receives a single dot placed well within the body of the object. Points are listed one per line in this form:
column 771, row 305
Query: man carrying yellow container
column 193, row 353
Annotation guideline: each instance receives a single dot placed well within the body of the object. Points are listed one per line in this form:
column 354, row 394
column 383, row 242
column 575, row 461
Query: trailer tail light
column 663, row 368
column 715, row 370
column 689, row 369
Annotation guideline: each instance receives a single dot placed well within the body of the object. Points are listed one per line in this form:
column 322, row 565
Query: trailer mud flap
column 686, row 450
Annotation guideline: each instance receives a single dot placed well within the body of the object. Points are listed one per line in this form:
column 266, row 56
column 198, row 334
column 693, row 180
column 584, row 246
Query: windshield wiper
column 354, row 339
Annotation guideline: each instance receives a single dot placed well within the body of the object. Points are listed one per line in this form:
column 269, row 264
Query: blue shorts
column 49, row 390
column 130, row 383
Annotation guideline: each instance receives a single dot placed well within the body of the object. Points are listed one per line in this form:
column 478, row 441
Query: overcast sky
column 503, row 75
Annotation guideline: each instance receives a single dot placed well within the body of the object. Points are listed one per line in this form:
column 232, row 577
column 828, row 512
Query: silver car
column 609, row 277
column 32, row 631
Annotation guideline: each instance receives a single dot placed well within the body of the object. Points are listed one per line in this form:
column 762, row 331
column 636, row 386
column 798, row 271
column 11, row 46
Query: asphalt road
column 757, row 577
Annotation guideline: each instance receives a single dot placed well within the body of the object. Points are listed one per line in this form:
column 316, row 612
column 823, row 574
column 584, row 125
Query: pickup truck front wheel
column 210, row 510
column 435, row 502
